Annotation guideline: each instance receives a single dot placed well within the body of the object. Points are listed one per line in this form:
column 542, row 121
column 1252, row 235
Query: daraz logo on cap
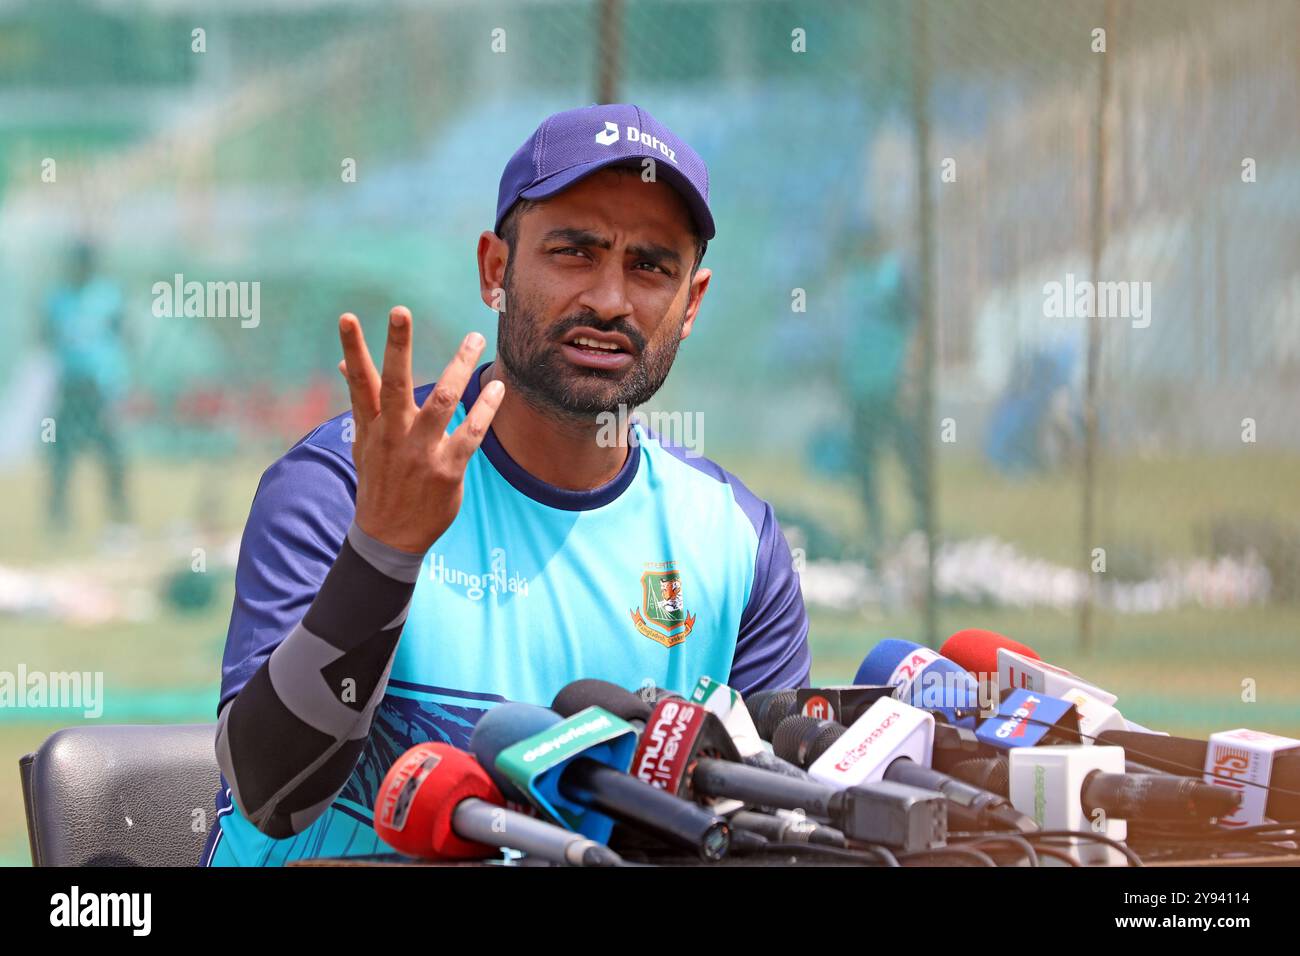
column 609, row 136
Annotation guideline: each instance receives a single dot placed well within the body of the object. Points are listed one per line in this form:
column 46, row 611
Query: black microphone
column 686, row 750
column 801, row 740
column 769, row 708
column 1185, row 757
column 635, row 708
column 1142, row 797
column 781, row 828
column 589, row 783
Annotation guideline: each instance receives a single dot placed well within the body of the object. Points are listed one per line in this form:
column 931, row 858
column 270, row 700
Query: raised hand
column 410, row 472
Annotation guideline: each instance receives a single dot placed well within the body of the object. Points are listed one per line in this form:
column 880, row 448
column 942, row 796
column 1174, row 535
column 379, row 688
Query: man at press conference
column 442, row 548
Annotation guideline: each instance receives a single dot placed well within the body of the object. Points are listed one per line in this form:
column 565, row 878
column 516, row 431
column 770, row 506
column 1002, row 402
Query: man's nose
column 606, row 295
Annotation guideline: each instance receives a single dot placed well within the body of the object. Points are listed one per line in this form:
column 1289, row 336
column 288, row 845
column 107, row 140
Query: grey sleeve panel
column 264, row 809
column 300, row 820
column 297, row 668
column 279, row 740
column 398, row 565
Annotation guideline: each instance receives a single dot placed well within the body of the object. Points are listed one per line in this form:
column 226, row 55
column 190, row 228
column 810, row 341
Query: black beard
column 535, row 367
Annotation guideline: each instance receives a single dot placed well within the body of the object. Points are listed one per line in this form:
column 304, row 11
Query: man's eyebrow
column 653, row 252
column 650, row 251
column 579, row 237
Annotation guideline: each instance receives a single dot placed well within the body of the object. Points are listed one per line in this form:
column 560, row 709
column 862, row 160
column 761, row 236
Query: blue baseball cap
column 575, row 143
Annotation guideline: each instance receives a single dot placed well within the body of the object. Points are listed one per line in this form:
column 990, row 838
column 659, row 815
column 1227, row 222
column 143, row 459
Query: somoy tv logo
column 610, row 135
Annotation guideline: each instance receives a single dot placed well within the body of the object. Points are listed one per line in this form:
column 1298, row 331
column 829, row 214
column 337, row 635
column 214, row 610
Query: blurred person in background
column 1037, row 423
column 877, row 373
column 866, row 351
column 83, row 327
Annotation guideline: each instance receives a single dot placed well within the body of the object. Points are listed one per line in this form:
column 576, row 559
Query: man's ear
column 699, row 285
column 493, row 254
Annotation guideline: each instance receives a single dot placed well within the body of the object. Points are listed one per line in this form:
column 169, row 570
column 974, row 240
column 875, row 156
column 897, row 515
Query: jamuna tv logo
column 663, row 744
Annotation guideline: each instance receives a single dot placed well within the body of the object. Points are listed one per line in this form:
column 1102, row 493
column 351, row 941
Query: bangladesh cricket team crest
column 662, row 616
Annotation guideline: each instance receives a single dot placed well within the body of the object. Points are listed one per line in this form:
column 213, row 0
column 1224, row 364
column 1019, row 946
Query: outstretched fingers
column 442, row 401
column 395, row 387
column 359, row 370
column 468, row 436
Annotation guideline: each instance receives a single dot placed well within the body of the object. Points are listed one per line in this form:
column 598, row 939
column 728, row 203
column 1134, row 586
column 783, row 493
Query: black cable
column 1058, row 854
column 1025, row 846
column 983, row 858
column 1133, row 858
column 859, row 856
column 1261, row 840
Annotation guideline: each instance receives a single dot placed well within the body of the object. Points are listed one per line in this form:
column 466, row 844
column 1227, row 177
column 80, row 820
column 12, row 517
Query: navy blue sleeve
column 296, row 527
column 772, row 647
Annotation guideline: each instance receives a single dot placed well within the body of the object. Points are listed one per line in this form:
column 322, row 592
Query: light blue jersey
column 672, row 570
column 84, row 326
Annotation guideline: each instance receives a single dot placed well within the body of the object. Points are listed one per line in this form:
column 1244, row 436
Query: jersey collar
column 540, row 491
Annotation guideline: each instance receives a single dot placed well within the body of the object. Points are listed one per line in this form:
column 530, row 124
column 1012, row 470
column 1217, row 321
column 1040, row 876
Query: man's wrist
column 394, row 562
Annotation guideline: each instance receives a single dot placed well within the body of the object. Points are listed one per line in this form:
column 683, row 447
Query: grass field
column 1179, row 671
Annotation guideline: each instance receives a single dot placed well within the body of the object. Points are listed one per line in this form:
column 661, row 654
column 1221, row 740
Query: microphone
column 1017, row 666
column 1052, row 784
column 1029, row 719
column 769, row 708
column 1009, row 663
column 1221, row 763
column 1146, row 797
column 437, row 803
column 830, row 752
column 786, row 827
column 923, row 679
column 977, row 650
column 686, row 750
column 578, row 695
column 802, row 739
column 574, row 770
column 845, row 703
column 729, row 707
column 715, row 697
column 928, row 680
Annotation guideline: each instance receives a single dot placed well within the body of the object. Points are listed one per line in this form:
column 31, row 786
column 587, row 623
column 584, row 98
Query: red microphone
column 438, row 803
column 977, row 650
column 419, row 796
